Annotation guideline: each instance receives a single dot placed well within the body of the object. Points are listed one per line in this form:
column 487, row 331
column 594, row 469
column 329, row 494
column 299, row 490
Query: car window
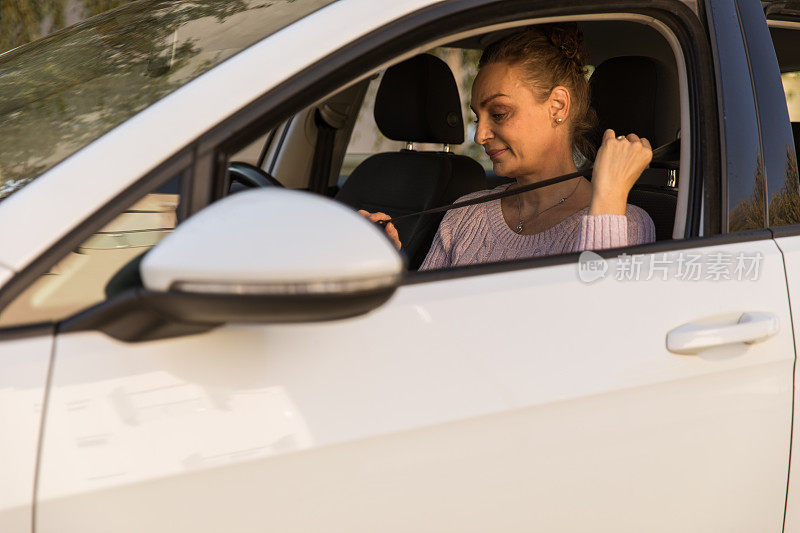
column 60, row 93
column 787, row 49
column 367, row 138
column 784, row 205
column 82, row 278
column 791, row 85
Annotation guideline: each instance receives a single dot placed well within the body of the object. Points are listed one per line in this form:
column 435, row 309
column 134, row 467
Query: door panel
column 790, row 246
column 525, row 400
column 24, row 362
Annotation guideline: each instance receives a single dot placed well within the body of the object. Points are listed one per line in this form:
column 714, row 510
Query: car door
column 782, row 133
column 24, row 362
column 521, row 398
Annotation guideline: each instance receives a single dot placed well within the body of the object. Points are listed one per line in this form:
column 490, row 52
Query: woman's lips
column 493, row 154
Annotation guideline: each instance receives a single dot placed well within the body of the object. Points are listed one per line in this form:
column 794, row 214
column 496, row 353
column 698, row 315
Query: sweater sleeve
column 596, row 232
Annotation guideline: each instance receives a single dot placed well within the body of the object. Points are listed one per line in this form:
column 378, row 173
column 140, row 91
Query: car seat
column 634, row 94
column 417, row 101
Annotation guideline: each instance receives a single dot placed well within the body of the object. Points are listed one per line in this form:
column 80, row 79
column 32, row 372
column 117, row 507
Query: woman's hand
column 619, row 163
column 391, row 231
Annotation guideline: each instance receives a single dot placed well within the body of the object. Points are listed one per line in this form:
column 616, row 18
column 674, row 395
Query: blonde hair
column 552, row 55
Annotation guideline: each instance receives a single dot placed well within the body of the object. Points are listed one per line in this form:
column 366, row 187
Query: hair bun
column 568, row 39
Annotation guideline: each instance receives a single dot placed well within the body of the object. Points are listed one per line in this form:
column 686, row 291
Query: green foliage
column 23, row 21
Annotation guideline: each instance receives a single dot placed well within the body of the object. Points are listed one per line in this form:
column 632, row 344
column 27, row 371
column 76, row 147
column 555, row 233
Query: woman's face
column 516, row 130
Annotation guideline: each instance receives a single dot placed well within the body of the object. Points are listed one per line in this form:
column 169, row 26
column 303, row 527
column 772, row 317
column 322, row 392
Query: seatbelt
column 665, row 156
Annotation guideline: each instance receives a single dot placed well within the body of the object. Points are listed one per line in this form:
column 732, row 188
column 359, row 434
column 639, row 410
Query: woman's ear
column 559, row 102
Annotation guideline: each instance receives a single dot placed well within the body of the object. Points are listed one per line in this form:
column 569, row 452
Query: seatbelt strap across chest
column 663, row 157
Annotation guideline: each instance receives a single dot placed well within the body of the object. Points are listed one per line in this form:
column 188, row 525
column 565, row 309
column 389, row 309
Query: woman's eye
column 498, row 116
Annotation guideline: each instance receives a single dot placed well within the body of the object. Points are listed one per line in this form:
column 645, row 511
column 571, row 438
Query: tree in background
column 61, row 92
column 22, row 21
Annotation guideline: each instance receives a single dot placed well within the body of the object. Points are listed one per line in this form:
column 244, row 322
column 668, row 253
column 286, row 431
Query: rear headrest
column 636, row 95
column 418, row 101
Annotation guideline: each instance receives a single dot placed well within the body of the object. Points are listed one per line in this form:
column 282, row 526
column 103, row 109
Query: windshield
column 60, row 93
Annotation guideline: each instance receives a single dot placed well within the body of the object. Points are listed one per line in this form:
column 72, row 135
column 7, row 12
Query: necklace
column 519, row 208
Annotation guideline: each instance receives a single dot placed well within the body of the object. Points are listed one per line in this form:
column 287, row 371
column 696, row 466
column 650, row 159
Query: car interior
column 785, row 42
column 424, row 157
column 634, row 86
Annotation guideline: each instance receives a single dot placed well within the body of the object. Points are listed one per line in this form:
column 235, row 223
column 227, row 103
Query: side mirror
column 262, row 255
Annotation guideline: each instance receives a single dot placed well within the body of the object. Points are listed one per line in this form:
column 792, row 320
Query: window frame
column 204, row 160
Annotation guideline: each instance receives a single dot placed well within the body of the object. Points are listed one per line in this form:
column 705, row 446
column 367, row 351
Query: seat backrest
column 417, row 101
column 635, row 94
column 660, row 204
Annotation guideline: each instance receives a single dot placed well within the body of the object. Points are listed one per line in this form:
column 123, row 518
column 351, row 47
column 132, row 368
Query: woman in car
column 531, row 99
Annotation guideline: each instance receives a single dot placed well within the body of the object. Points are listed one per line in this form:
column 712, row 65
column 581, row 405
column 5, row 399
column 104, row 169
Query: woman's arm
column 611, row 222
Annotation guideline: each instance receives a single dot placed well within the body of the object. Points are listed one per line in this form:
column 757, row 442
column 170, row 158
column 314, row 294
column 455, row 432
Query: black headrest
column 630, row 93
column 418, row 101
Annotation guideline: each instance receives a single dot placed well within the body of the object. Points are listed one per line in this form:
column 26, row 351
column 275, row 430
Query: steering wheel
column 251, row 175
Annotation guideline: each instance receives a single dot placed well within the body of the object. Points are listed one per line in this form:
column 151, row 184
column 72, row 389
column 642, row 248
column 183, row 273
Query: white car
column 176, row 357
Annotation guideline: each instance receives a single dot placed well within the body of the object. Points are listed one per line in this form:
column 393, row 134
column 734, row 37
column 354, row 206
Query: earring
column 559, row 120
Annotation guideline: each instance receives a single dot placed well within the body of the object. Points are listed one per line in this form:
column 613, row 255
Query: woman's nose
column 482, row 133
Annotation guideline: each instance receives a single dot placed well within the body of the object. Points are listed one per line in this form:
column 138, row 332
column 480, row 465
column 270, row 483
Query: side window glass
column 787, row 46
column 80, row 279
column 791, row 85
column 784, row 204
column 367, row 139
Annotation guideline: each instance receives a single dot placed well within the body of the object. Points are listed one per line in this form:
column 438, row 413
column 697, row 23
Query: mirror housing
column 262, row 255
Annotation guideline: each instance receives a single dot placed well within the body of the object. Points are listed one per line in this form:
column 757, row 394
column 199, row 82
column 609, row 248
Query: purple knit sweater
column 479, row 234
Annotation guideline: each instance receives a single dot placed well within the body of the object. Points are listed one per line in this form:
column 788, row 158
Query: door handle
column 751, row 327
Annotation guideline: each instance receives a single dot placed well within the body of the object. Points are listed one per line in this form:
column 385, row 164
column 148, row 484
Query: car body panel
column 24, row 364
column 790, row 247
column 426, row 414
